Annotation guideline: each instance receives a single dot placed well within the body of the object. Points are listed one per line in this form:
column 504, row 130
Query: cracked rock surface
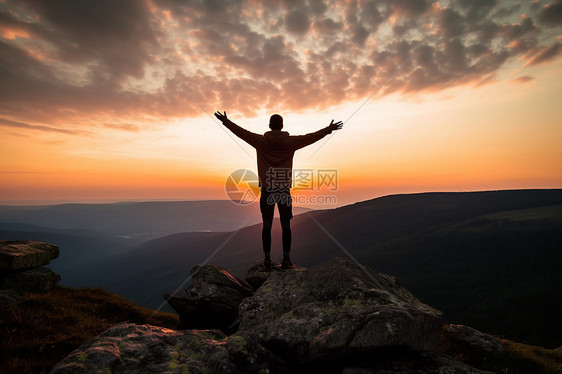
column 337, row 308
column 130, row 348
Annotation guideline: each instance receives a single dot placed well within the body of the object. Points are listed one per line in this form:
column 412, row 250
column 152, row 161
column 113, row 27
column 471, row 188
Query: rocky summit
column 339, row 317
column 337, row 308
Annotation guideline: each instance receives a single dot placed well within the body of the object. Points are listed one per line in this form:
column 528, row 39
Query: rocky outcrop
column 339, row 317
column 211, row 300
column 22, row 254
column 129, row 348
column 38, row 279
column 338, row 308
column 476, row 347
column 21, row 268
column 473, row 340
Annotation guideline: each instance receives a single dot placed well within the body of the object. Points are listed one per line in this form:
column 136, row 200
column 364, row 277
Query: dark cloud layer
column 551, row 14
column 66, row 63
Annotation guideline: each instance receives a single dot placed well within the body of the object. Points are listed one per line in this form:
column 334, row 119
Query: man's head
column 276, row 122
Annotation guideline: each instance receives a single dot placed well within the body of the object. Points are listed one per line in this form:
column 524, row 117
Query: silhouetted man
column 275, row 150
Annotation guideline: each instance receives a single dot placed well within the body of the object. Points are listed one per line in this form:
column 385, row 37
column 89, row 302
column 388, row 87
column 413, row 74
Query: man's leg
column 286, row 214
column 267, row 217
column 286, row 236
column 266, row 236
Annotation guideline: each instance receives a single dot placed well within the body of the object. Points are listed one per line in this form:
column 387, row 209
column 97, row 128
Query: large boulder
column 473, row 345
column 39, row 279
column 130, row 348
column 22, row 254
column 211, row 300
column 337, row 309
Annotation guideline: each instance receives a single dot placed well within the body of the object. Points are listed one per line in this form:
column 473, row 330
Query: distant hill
column 152, row 268
column 488, row 259
column 77, row 246
column 138, row 221
column 87, row 232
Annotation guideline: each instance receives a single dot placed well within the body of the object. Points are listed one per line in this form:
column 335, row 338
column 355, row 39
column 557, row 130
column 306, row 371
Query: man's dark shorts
column 281, row 197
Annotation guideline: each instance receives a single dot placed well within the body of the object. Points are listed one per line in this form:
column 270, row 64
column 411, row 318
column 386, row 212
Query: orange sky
column 87, row 114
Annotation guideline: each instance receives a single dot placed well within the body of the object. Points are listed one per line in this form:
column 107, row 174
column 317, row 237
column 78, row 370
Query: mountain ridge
column 446, row 247
column 398, row 235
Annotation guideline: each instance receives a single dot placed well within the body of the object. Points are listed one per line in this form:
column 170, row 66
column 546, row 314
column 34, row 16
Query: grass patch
column 516, row 359
column 549, row 360
column 45, row 328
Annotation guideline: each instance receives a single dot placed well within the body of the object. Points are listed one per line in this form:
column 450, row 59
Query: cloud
column 297, row 22
column 411, row 8
column 476, row 10
column 8, row 123
column 122, row 126
column 502, row 12
column 451, row 23
column 514, row 31
column 551, row 14
column 115, row 35
column 543, row 55
column 89, row 64
column 523, row 79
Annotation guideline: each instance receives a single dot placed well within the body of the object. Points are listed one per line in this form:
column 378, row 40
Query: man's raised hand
column 336, row 126
column 222, row 117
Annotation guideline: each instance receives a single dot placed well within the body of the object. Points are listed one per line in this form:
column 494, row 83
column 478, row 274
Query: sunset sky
column 113, row 100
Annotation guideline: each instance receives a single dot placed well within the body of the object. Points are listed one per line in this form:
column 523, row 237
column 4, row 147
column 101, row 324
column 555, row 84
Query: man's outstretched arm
column 247, row 136
column 300, row 141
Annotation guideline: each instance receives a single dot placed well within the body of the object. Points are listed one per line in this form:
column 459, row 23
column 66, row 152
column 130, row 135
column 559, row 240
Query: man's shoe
column 287, row 264
column 267, row 265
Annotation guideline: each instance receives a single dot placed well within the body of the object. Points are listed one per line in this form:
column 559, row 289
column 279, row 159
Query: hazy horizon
column 307, row 206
